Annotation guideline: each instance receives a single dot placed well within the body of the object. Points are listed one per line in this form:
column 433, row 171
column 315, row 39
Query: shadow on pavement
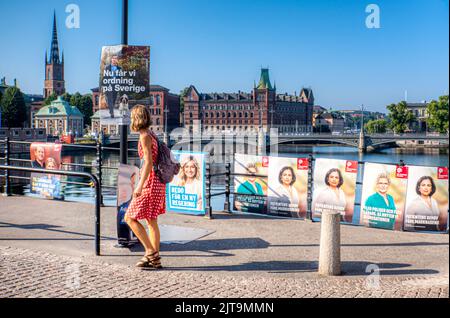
column 348, row 268
column 47, row 227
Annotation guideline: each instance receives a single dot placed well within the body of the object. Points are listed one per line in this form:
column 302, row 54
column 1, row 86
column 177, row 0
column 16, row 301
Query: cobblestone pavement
column 26, row 273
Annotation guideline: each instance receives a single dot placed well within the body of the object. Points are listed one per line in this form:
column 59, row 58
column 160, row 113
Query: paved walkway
column 46, row 250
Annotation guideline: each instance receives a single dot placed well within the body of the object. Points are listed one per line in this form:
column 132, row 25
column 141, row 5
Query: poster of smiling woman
column 383, row 196
column 251, row 190
column 186, row 192
column 288, row 186
column 334, row 188
column 427, row 199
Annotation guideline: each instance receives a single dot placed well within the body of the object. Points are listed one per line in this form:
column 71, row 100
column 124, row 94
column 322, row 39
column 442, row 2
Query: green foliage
column 182, row 95
column 438, row 114
column 400, row 117
column 84, row 105
column 13, row 108
column 66, row 96
column 376, row 126
column 50, row 99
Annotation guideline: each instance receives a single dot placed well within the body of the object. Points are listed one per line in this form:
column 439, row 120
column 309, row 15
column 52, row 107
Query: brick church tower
column 54, row 67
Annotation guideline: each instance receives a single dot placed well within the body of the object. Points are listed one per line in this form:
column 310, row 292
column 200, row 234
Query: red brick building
column 159, row 100
column 240, row 111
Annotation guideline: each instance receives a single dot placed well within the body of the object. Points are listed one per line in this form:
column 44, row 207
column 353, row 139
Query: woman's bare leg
column 154, row 234
column 141, row 234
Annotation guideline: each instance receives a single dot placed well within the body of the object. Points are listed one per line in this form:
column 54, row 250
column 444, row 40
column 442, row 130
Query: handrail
column 92, row 177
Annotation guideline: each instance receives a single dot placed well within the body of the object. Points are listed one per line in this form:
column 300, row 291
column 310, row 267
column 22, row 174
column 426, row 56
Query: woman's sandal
column 144, row 262
column 154, row 260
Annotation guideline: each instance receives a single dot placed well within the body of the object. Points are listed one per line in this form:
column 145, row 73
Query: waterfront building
column 419, row 110
column 60, row 118
column 248, row 112
column 329, row 122
column 164, row 107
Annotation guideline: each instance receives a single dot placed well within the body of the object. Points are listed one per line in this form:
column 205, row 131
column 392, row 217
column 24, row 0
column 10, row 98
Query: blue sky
column 220, row 46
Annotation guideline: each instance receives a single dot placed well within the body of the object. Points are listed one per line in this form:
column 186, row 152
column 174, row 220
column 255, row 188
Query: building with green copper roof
column 60, row 118
column 264, row 81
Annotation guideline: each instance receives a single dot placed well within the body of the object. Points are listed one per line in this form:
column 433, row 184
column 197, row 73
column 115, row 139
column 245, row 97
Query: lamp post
column 124, row 128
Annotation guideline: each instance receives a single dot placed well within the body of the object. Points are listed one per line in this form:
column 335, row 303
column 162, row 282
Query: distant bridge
column 362, row 142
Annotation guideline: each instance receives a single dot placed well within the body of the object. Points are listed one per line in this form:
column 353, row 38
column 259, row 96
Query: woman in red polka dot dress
column 149, row 197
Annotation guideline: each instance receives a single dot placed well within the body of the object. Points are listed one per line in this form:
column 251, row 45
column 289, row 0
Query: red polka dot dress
column 152, row 201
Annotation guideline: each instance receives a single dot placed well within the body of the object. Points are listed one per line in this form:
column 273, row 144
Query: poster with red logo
column 288, row 187
column 427, row 199
column 334, row 188
column 251, row 190
column 383, row 196
column 46, row 156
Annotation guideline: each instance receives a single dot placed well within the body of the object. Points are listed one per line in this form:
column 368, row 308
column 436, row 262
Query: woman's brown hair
column 140, row 118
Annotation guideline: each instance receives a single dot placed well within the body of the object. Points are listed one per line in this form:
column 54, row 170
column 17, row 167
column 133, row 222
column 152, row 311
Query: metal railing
column 93, row 179
column 99, row 148
column 228, row 180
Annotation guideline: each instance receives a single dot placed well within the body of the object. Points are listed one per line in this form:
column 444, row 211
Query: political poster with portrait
column 186, row 192
column 124, row 80
column 46, row 156
column 383, row 196
column 127, row 181
column 427, row 199
column 288, row 187
column 334, row 188
column 251, row 191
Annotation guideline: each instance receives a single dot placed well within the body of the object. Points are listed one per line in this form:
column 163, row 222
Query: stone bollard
column 330, row 244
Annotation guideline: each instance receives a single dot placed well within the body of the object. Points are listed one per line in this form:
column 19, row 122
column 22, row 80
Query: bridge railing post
column 7, row 163
column 208, row 214
column 227, row 205
column 310, row 188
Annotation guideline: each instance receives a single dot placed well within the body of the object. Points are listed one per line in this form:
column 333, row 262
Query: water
column 79, row 193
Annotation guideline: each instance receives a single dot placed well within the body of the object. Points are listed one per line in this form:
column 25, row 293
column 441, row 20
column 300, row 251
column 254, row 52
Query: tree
column 13, row 108
column 182, row 95
column 84, row 105
column 400, row 117
column 438, row 114
column 50, row 99
column 376, row 126
column 66, row 96
column 85, row 108
column 75, row 99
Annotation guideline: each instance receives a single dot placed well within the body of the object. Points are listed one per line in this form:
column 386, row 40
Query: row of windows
column 228, row 115
column 227, row 107
column 152, row 100
column 225, row 121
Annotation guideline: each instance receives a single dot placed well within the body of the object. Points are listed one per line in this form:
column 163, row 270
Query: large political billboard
column 383, row 196
column 334, row 188
column 250, row 189
column 124, row 80
column 288, row 187
column 427, row 199
column 186, row 192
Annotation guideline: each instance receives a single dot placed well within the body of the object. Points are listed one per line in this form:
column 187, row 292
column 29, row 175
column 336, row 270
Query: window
column 151, row 100
column 158, row 100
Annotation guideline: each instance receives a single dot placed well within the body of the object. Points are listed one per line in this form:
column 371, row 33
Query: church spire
column 54, row 53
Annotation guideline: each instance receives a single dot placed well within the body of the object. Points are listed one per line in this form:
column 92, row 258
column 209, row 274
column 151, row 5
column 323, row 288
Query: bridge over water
column 364, row 142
